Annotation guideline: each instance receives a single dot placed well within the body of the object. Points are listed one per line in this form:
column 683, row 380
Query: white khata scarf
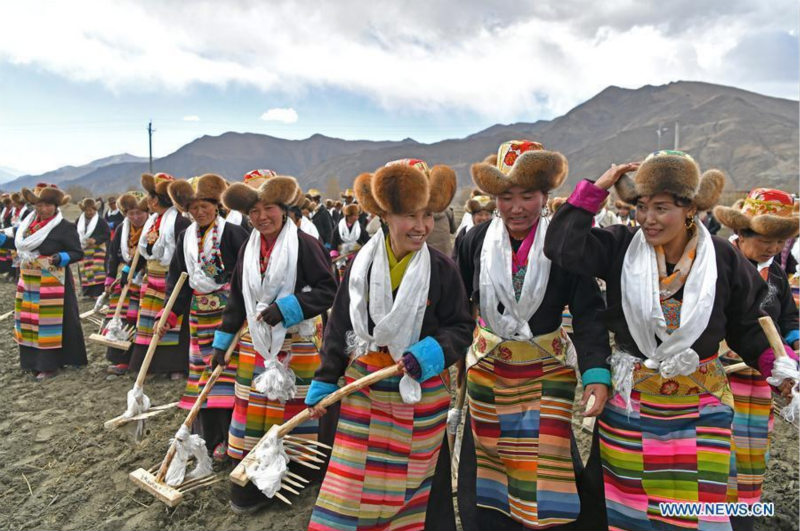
column 349, row 235
column 164, row 247
column 84, row 231
column 198, row 278
column 641, row 304
column 307, row 226
column 398, row 322
column 27, row 246
column 17, row 218
column 496, row 285
column 259, row 291
column 235, row 217
column 466, row 221
column 123, row 244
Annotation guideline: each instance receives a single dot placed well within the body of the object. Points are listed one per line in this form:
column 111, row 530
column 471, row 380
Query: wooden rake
column 154, row 479
column 116, row 335
column 142, row 400
column 304, row 452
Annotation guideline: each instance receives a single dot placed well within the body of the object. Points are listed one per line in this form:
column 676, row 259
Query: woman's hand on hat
column 613, row 174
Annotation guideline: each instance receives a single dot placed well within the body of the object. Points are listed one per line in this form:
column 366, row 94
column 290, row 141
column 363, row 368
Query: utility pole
column 150, row 142
column 677, row 136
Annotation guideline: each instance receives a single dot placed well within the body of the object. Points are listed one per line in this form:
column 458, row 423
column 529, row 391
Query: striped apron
column 152, row 300
column 39, row 307
column 130, row 306
column 205, row 317
column 384, row 455
column 520, row 400
column 675, row 446
column 92, row 269
column 253, row 413
column 753, row 418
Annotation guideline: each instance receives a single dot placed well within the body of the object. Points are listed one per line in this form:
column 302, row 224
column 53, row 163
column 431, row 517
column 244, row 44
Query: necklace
column 210, row 264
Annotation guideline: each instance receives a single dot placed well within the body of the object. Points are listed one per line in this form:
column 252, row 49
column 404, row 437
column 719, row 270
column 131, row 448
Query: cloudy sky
column 79, row 80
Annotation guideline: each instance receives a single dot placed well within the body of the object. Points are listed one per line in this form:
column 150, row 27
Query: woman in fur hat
column 157, row 245
column 281, row 284
column 113, row 215
column 320, row 217
column 624, row 213
column 761, row 223
column 479, row 209
column 253, row 179
column 665, row 435
column 207, row 251
column 348, row 237
column 522, row 369
column 132, row 205
column 93, row 232
column 20, row 209
column 47, row 327
column 416, row 317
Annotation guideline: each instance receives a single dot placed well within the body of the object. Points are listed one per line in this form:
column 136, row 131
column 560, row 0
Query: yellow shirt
column 397, row 269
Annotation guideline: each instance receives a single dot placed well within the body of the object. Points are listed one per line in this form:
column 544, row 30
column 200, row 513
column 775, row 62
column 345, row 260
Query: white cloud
column 502, row 61
column 191, row 118
column 287, row 116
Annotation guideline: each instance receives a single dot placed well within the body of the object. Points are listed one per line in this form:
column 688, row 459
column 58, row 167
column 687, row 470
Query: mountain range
column 751, row 137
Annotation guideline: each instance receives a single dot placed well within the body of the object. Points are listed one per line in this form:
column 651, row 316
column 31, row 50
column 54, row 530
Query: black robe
column 114, row 220
column 167, row 359
column 459, row 240
column 337, row 239
column 324, row 222
column 448, row 321
column 63, row 238
column 778, row 302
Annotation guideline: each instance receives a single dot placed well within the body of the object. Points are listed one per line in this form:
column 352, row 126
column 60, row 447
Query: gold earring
column 689, row 224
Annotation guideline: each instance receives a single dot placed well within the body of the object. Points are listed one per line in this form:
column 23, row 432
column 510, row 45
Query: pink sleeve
column 587, row 196
column 767, row 360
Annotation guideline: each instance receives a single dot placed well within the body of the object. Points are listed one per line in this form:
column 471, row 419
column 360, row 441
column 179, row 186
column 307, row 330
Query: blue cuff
column 290, row 310
column 319, row 390
column 3, row 238
column 596, row 375
column 222, row 340
column 430, row 357
column 126, row 269
column 792, row 336
column 63, row 259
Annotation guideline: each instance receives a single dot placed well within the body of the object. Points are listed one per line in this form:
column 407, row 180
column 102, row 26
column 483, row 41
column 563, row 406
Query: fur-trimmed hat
column 405, row 186
column 208, row 187
column 6, row 200
column 256, row 178
column 476, row 203
column 554, row 203
column 520, row 163
column 351, row 210
column 87, row 202
column 157, row 184
column 278, row 190
column 312, row 193
column 765, row 211
column 49, row 193
column 676, row 173
column 131, row 200
column 619, row 203
column 18, row 198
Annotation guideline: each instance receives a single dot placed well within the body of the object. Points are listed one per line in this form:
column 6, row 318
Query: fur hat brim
column 149, row 184
column 363, row 190
column 533, row 170
column 674, row 175
column 400, row 189
column 87, row 202
column 351, row 210
column 54, row 196
column 766, row 225
column 241, row 197
column 17, row 197
column 127, row 202
column 442, row 187
column 210, row 187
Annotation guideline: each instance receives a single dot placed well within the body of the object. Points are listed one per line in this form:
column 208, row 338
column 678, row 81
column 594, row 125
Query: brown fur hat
column 208, row 187
column 157, row 184
column 17, row 198
column 480, row 202
column 351, row 210
column 87, row 202
column 329, row 203
column 765, row 211
column 49, row 193
column 675, row 173
column 131, row 200
column 407, row 185
column 520, row 163
column 554, row 203
column 619, row 203
column 6, row 200
column 279, row 190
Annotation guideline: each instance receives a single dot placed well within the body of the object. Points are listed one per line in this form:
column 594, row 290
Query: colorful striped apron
column 92, row 269
column 205, row 317
column 39, row 307
column 130, row 306
column 520, row 400
column 253, row 413
column 384, row 455
column 675, row 446
column 152, row 300
column 752, row 423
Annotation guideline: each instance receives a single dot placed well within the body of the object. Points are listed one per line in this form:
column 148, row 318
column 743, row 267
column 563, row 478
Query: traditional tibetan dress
column 519, row 462
column 665, row 433
column 389, row 469
column 47, row 326
column 120, row 255
column 209, row 256
column 5, row 254
column 114, row 219
column 157, row 246
column 92, row 269
column 753, row 413
column 347, row 240
column 263, row 272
